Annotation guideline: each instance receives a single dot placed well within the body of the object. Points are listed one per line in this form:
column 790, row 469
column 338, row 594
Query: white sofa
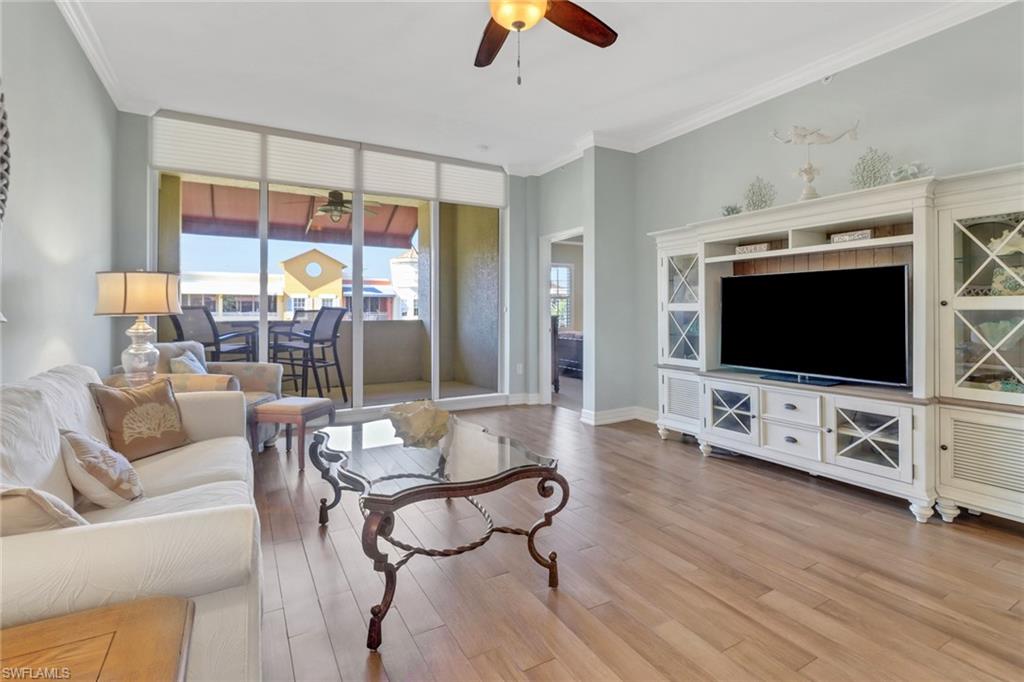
column 194, row 534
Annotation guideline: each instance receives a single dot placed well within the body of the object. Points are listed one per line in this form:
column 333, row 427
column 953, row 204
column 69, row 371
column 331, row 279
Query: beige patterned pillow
column 27, row 510
column 140, row 421
column 100, row 474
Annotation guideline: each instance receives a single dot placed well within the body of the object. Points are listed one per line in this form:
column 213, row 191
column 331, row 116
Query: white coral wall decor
column 872, row 169
column 760, row 194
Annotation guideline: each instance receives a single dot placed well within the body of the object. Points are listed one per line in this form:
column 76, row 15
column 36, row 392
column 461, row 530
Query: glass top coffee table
column 371, row 461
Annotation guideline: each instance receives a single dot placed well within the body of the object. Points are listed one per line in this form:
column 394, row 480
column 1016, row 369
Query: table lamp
column 140, row 294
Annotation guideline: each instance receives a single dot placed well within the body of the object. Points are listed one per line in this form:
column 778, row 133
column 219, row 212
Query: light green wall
column 608, row 243
column 954, row 101
column 560, row 199
column 59, row 225
column 131, row 208
column 516, row 282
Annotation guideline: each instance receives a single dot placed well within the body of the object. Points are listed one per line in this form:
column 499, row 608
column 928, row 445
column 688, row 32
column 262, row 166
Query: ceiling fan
column 521, row 15
column 335, row 208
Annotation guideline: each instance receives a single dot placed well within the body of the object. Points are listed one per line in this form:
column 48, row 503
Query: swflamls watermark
column 29, row 673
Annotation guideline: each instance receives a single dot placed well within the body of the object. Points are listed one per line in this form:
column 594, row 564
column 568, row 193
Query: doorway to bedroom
column 564, row 292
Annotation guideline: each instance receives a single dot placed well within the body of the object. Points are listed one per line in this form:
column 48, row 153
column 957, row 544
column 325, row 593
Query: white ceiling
column 402, row 74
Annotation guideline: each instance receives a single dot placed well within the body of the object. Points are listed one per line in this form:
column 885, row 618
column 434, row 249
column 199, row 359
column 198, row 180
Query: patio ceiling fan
column 521, row 15
column 335, row 208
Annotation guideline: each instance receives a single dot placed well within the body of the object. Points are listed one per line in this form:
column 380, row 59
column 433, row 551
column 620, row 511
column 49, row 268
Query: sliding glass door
column 210, row 226
column 469, row 303
column 396, row 300
column 370, row 296
column 309, row 267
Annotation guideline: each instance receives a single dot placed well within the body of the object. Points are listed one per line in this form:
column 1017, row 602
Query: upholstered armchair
column 259, row 381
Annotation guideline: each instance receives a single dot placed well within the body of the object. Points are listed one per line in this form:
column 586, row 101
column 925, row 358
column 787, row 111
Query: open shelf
column 880, row 242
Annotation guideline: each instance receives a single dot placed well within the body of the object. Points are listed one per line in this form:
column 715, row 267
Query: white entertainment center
column 955, row 438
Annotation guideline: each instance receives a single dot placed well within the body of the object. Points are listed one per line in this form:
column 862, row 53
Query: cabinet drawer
column 798, row 408
column 792, row 440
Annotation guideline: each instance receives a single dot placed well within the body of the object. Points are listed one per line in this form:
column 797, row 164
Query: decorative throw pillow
column 100, row 474
column 27, row 510
column 1005, row 284
column 140, row 421
column 187, row 363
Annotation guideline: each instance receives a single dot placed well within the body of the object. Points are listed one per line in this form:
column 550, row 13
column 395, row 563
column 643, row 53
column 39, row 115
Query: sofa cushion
column 30, row 443
column 175, row 349
column 206, row 496
column 141, row 421
column 187, row 363
column 101, row 474
column 27, row 510
column 207, row 461
column 66, row 391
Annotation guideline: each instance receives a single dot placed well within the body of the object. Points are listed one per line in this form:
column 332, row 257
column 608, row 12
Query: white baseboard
column 620, row 414
column 524, row 399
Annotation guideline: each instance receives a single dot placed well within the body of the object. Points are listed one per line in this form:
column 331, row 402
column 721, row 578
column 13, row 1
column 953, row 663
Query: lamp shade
column 138, row 293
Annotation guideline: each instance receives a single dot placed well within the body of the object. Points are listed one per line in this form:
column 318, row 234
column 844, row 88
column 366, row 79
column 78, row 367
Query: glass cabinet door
column 680, row 310
column 683, row 275
column 982, row 308
column 730, row 411
column 871, row 437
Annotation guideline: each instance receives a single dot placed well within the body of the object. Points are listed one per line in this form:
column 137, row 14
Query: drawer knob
column 943, row 303
column 790, row 439
column 943, row 447
column 790, row 406
column 828, row 429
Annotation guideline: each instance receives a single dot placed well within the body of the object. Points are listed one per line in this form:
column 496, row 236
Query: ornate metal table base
column 342, row 471
column 380, row 524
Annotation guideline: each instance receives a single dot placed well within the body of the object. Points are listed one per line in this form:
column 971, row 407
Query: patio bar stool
column 196, row 323
column 313, row 346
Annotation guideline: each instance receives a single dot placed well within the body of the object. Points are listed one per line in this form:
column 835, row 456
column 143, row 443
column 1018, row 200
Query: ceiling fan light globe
column 336, row 215
column 518, row 15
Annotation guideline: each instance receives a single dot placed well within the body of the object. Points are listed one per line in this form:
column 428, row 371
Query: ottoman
column 292, row 412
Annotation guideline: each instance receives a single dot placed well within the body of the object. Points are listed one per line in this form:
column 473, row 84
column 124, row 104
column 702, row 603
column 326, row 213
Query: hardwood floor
column 672, row 567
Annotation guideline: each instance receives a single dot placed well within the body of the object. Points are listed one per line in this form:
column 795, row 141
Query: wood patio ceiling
column 226, row 211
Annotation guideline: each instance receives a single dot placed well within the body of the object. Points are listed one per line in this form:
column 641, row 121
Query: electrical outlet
column 519, row 368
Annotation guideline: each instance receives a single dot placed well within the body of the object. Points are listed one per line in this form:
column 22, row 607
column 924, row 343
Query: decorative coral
column 760, row 194
column 419, row 424
column 872, row 169
column 731, row 209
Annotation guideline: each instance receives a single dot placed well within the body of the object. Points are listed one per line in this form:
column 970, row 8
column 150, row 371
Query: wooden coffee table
column 369, row 460
column 145, row 639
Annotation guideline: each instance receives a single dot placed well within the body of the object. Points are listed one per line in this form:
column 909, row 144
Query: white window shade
column 469, row 185
column 411, row 176
column 301, row 162
column 202, row 148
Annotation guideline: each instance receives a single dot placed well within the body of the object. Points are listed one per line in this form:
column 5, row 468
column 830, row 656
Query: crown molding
column 941, row 19
column 81, row 27
column 945, row 17
column 899, row 36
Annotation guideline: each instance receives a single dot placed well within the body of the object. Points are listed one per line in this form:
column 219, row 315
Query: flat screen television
column 845, row 325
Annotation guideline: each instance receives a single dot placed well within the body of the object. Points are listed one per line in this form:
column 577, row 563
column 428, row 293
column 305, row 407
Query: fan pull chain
column 519, row 77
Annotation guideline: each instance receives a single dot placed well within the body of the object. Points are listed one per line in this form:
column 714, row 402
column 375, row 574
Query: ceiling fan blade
column 491, row 42
column 570, row 17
